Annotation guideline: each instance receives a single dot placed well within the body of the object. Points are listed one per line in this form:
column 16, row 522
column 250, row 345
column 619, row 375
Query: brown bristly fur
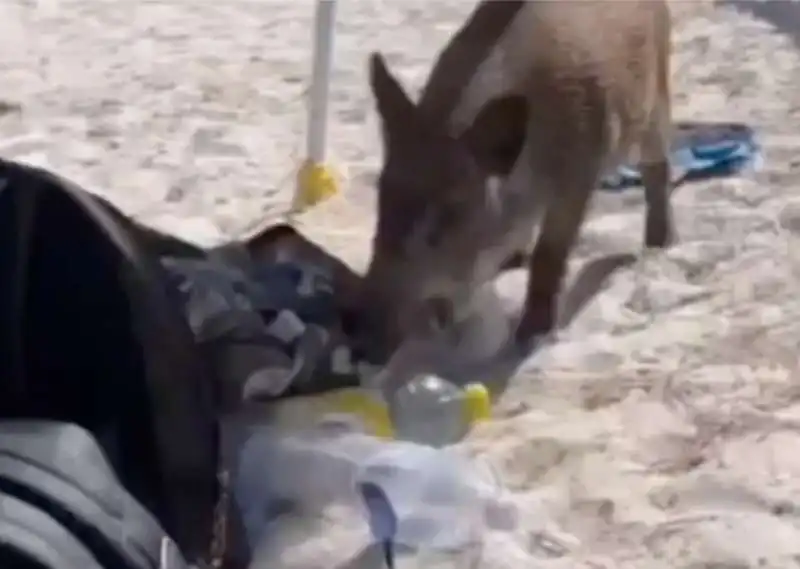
column 585, row 85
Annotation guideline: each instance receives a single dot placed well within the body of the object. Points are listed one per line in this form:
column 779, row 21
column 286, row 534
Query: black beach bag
column 90, row 335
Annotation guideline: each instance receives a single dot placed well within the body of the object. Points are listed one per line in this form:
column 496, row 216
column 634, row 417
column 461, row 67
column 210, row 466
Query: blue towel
column 699, row 151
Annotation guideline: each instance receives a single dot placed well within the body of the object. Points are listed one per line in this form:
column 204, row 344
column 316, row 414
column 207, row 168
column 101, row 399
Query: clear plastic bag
column 429, row 499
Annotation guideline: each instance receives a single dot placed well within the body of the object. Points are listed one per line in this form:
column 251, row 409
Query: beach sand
column 659, row 431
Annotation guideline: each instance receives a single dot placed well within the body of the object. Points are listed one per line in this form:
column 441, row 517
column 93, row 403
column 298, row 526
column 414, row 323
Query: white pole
column 315, row 181
column 324, row 22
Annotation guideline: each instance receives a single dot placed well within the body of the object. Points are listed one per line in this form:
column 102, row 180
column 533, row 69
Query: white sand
column 661, row 430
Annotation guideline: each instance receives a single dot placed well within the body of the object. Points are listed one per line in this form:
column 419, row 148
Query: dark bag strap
column 16, row 221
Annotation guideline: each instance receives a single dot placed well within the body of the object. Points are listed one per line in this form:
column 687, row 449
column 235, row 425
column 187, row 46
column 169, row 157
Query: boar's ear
column 497, row 135
column 394, row 106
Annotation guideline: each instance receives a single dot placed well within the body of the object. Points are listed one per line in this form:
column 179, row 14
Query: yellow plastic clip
column 315, row 183
column 372, row 412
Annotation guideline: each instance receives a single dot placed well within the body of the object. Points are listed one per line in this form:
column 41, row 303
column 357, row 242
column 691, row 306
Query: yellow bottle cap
column 372, row 412
column 477, row 403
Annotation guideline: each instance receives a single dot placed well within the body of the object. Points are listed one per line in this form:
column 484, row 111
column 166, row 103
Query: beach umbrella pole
column 316, row 180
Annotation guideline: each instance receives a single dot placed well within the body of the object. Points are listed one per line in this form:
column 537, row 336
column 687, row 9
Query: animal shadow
column 592, row 279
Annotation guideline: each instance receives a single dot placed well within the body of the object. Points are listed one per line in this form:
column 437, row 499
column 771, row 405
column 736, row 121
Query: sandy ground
column 660, row 431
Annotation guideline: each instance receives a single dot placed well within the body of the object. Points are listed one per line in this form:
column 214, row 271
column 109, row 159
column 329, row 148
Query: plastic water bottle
column 433, row 411
column 427, row 410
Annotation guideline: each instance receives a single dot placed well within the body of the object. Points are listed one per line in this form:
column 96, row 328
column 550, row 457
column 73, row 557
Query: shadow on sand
column 592, row 278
